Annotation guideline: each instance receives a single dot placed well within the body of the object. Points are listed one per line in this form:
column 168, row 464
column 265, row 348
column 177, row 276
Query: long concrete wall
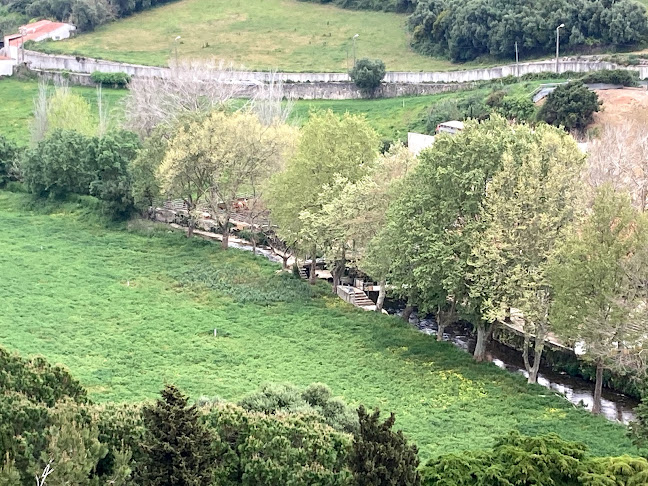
column 299, row 91
column 39, row 60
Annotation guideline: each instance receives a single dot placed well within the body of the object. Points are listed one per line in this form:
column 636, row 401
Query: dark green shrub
column 115, row 80
column 519, row 108
column 113, row 155
column 8, row 157
column 570, row 105
column 623, row 77
column 59, row 165
column 367, row 74
column 380, row 456
column 495, row 98
column 638, row 429
column 178, row 447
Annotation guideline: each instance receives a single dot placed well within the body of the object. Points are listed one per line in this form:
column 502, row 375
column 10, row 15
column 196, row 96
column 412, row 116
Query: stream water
column 580, row 392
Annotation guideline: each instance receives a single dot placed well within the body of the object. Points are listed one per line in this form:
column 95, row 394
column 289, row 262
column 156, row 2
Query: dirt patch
column 621, row 105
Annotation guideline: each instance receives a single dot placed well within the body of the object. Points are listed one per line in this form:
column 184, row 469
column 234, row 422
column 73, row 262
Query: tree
column 59, row 165
column 144, row 169
column 69, row 111
column 528, row 203
column 73, row 450
column 434, row 225
column 638, row 428
column 178, row 446
column 570, row 105
column 113, row 154
column 358, row 211
column 597, row 300
column 329, row 147
column 8, row 157
column 380, row 456
column 217, row 158
column 367, row 74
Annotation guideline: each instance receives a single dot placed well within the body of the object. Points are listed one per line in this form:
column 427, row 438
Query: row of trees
column 493, row 28
column 493, row 219
column 84, row 14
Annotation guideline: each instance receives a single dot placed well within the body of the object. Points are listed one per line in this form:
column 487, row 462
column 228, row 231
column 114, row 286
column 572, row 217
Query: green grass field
column 259, row 34
column 126, row 312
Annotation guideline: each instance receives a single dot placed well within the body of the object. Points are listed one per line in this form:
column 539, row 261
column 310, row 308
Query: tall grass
column 129, row 308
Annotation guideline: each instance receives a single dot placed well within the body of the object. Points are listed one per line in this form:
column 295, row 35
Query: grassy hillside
column 391, row 118
column 260, row 34
column 128, row 311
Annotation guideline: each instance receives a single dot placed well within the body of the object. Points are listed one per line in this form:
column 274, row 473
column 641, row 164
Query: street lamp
column 354, row 50
column 558, row 44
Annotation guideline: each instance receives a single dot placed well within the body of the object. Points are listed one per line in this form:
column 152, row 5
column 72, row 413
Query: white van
column 450, row 127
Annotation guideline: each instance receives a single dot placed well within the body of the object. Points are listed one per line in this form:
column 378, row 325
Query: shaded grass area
column 260, row 34
column 17, row 105
column 391, row 118
column 115, row 306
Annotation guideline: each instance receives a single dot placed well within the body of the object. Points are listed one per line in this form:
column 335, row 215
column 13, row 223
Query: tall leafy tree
column 527, row 206
column 219, row 158
column 597, row 305
column 330, row 147
column 435, row 224
column 571, row 106
column 178, row 446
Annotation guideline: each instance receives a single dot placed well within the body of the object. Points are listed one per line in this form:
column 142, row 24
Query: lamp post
column 558, row 44
column 354, row 49
column 175, row 45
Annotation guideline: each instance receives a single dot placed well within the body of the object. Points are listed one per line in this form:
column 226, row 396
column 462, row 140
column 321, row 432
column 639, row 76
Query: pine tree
column 380, row 456
column 178, row 445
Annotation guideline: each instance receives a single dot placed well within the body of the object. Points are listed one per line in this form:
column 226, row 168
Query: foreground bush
column 534, row 461
column 8, row 156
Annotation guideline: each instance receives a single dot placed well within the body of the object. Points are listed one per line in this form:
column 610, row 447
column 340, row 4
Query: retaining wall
column 303, row 91
column 39, row 60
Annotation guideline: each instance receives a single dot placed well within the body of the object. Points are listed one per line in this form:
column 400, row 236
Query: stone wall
column 297, row 91
column 39, row 60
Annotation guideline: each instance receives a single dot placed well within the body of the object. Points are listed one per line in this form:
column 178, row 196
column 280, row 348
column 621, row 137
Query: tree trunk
column 381, row 295
column 225, row 240
column 409, row 308
column 483, row 332
column 253, row 244
column 284, row 261
column 312, row 277
column 598, row 387
column 441, row 324
column 537, row 357
column 336, row 280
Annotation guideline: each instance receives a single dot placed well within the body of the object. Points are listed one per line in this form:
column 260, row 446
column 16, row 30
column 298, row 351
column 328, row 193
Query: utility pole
column 175, row 45
column 354, row 49
column 517, row 61
column 558, row 46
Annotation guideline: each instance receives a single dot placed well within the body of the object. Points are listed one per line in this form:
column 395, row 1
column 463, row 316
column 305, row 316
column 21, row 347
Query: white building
column 6, row 66
column 38, row 31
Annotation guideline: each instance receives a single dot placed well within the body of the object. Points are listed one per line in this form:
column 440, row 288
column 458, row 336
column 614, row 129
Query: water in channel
column 580, row 392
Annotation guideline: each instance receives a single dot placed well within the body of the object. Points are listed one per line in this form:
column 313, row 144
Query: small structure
column 6, row 66
column 452, row 127
column 416, row 142
column 37, row 31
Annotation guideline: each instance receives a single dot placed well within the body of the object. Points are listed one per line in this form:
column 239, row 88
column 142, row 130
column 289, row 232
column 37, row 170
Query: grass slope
column 260, row 34
column 124, row 312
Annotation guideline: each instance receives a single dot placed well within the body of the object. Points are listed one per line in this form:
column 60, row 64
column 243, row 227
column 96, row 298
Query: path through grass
column 120, row 310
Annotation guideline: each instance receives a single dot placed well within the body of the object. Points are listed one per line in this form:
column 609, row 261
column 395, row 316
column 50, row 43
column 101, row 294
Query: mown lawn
column 129, row 310
column 259, row 34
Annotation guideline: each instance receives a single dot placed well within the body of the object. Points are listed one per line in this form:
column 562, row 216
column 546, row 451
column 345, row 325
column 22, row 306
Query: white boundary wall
column 39, row 60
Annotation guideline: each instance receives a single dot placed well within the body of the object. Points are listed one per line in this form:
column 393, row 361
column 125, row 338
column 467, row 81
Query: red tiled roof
column 34, row 31
column 5, row 58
